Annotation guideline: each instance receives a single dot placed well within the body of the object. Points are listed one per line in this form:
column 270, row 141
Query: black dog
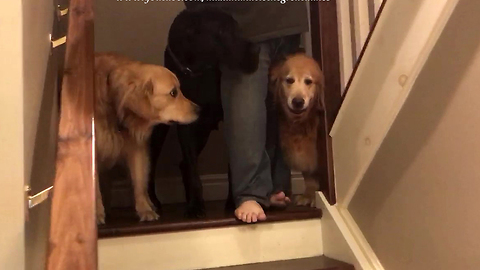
column 199, row 41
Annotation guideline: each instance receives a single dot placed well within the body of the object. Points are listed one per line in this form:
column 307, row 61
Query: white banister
column 355, row 20
column 376, row 5
column 345, row 42
column 361, row 24
column 393, row 59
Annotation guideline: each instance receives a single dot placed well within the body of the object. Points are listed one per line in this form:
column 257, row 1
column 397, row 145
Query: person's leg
column 280, row 171
column 243, row 100
column 281, row 174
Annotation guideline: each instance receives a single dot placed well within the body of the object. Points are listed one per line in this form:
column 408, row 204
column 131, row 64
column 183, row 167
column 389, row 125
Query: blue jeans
column 257, row 166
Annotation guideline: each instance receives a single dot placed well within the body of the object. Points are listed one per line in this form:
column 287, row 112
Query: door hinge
column 57, row 42
column 34, row 200
column 61, row 12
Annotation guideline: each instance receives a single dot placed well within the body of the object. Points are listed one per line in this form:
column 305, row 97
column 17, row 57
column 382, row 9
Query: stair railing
column 73, row 230
column 356, row 20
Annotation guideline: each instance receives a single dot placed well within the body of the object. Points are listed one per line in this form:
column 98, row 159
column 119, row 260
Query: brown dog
column 132, row 97
column 298, row 85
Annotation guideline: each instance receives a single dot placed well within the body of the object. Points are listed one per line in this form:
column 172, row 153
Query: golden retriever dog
column 298, row 84
column 132, row 97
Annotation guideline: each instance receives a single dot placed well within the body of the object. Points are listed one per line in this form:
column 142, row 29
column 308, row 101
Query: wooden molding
column 343, row 240
column 325, row 50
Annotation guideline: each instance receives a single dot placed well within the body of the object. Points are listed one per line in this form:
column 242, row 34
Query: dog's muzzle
column 297, row 105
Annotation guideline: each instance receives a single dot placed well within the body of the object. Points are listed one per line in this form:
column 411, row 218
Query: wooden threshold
column 315, row 263
column 124, row 222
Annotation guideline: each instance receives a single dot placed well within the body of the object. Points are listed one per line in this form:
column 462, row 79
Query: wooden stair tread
column 124, row 222
column 315, row 263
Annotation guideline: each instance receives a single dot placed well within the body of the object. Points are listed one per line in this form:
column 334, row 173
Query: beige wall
column 140, row 31
column 11, row 137
column 40, row 121
column 418, row 204
column 28, row 132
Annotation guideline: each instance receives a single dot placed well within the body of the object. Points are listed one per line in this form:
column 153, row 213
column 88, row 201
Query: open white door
column 29, row 120
column 40, row 123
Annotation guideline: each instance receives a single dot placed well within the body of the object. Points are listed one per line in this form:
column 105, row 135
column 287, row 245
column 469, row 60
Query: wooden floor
column 315, row 263
column 124, row 222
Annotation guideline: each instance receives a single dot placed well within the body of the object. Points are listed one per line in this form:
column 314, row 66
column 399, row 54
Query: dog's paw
column 100, row 218
column 100, row 213
column 148, row 215
column 195, row 212
column 303, row 200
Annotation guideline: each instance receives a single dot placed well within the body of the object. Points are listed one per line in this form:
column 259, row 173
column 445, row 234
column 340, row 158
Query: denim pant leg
column 245, row 123
column 281, row 174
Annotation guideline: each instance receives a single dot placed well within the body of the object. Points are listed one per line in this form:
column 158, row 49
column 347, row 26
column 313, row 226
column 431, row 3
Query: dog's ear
column 275, row 73
column 123, row 82
column 275, row 76
column 148, row 87
column 321, row 94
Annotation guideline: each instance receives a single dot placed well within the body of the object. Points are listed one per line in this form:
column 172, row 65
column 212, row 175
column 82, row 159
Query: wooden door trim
column 325, row 49
column 73, row 231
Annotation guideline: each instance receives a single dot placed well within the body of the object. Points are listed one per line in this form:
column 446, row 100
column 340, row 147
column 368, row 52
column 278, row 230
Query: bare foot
column 250, row 211
column 279, row 199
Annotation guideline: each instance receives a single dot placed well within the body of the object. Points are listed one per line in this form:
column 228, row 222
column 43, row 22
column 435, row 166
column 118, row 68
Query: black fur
column 199, row 42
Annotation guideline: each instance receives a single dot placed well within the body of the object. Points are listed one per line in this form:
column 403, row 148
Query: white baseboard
column 342, row 238
column 215, row 188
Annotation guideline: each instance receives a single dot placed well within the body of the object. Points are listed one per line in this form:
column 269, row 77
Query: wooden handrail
column 73, row 232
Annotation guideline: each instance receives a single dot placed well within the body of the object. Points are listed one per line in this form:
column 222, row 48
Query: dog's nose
column 298, row 103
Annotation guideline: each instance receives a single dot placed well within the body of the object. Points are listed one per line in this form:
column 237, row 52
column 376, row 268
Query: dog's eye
column 174, row 93
column 290, row 80
column 308, row 81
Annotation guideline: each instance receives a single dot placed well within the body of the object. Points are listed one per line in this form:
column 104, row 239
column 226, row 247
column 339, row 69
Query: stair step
column 123, row 222
column 314, row 263
column 214, row 247
column 219, row 240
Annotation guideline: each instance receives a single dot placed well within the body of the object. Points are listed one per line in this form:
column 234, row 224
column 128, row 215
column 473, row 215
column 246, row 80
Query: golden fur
column 299, row 77
column 132, row 97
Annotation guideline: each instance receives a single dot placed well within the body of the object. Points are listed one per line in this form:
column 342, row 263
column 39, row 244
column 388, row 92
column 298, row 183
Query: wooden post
column 73, row 232
column 325, row 49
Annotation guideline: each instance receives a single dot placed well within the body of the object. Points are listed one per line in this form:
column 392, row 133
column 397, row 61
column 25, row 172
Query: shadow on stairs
column 314, row 263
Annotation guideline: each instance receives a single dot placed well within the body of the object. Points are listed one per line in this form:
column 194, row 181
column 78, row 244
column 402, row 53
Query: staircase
column 291, row 239
column 377, row 72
